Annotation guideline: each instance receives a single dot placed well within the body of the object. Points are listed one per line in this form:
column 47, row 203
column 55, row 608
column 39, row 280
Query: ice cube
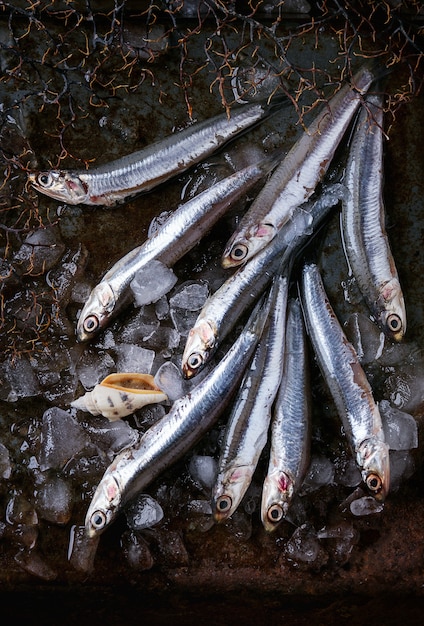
column 239, row 525
column 136, row 550
column 367, row 505
column 24, row 536
column 54, row 500
column 20, row 512
column 170, row 546
column 93, row 367
column 367, row 339
column 111, row 436
column 191, row 296
column 402, row 466
column 347, row 473
column 64, row 276
column 400, row 428
column 304, row 548
column 106, row 340
column 340, row 539
column 320, row 473
column 143, row 512
column 152, row 282
column 169, row 380
column 62, row 437
column 40, row 251
column 56, row 372
column 20, row 378
column 80, row 292
column 203, row 470
column 199, row 516
column 149, row 415
column 183, row 320
column 132, row 358
column 82, row 549
column 162, row 308
column 35, row 564
column 140, row 327
column 164, row 341
column 404, row 386
column 5, row 464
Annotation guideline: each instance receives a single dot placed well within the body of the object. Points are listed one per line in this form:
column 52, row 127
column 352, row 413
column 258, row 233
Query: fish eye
column 194, row 361
column 91, row 324
column 45, row 180
column 239, row 252
column 394, row 323
column 275, row 513
column 98, row 520
column 223, row 504
column 374, row 483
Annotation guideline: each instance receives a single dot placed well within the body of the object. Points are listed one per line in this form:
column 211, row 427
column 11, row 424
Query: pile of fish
column 265, row 371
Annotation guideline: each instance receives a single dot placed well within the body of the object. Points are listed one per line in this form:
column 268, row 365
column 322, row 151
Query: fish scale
column 347, row 382
column 180, row 232
column 173, row 435
column 143, row 170
column 290, row 425
column 299, row 173
column 247, row 427
column 363, row 223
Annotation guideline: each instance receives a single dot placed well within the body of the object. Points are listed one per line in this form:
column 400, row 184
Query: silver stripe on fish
column 347, row 382
column 290, row 425
column 240, row 290
column 172, row 436
column 182, row 231
column 143, row 170
column 247, row 427
column 295, row 179
column 365, row 238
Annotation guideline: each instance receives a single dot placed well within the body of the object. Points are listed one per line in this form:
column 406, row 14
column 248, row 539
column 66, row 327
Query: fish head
column 200, row 343
column 229, row 491
column 96, row 312
column 243, row 245
column 277, row 494
column 104, row 506
column 392, row 312
column 60, row 185
column 373, row 459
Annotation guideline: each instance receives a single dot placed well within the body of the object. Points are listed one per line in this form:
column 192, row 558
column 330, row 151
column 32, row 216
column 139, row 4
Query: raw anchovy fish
column 296, row 178
column 182, row 230
column 348, row 384
column 238, row 292
column 172, row 436
column 290, row 425
column 141, row 171
column 247, row 428
column 365, row 239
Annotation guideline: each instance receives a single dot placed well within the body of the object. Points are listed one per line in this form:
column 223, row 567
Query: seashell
column 119, row 395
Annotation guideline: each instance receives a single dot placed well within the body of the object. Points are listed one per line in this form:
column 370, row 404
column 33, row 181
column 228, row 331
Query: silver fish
column 247, row 427
column 296, row 178
column 363, row 223
column 238, row 292
column 120, row 179
column 172, row 436
column 348, row 384
column 182, row 230
column 290, row 425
